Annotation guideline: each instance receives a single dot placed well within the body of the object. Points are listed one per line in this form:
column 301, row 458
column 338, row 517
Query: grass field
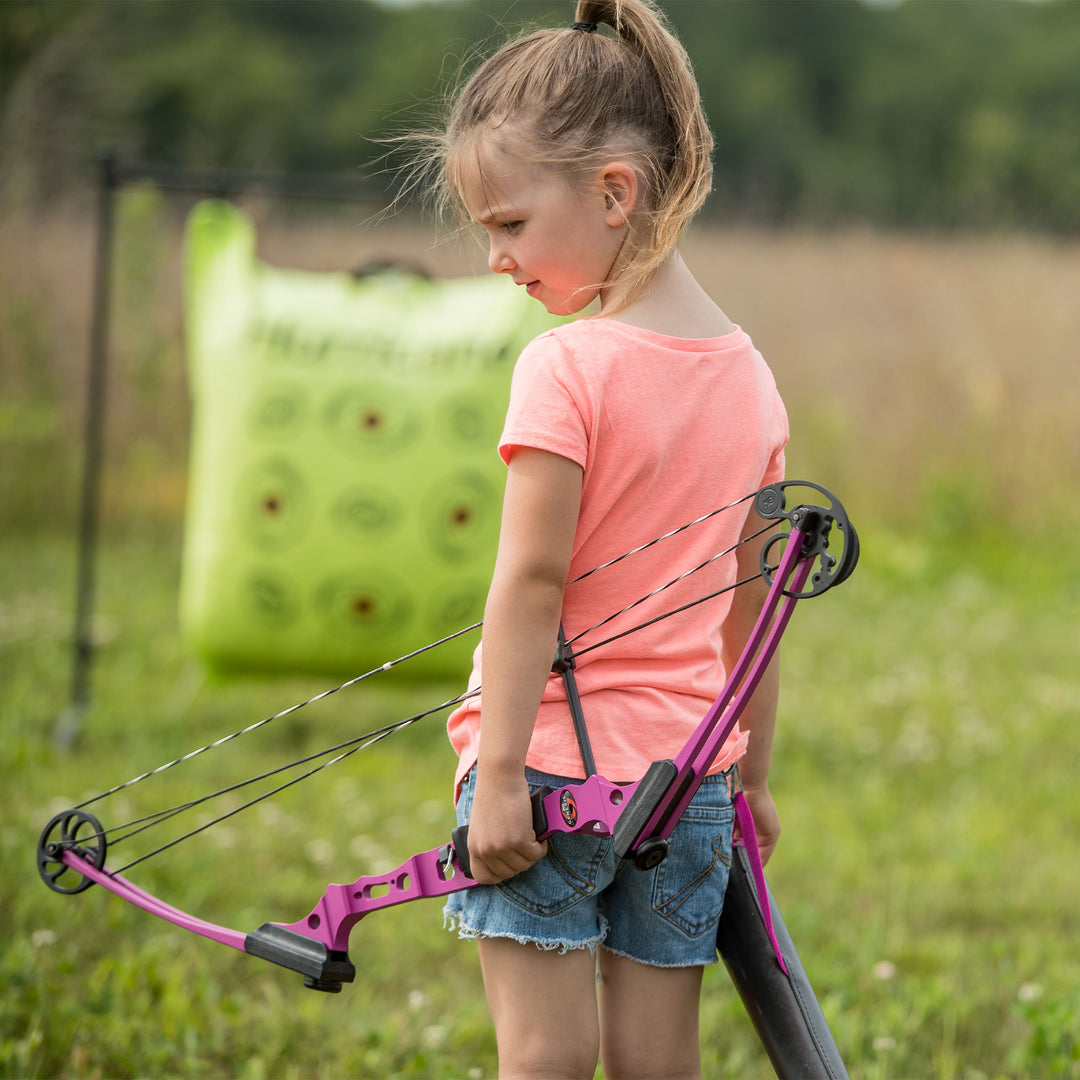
column 927, row 755
column 925, row 770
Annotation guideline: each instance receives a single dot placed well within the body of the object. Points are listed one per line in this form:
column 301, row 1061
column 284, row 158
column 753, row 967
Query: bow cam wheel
column 75, row 831
column 818, row 524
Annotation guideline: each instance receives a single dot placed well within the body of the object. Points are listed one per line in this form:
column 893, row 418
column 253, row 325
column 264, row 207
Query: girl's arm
column 521, row 622
column 759, row 717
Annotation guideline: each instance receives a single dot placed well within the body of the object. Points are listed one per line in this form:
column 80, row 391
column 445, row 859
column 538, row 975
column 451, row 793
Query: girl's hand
column 766, row 820
column 501, row 838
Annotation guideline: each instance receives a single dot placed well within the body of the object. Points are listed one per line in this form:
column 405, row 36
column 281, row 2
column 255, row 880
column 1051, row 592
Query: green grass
column 925, row 770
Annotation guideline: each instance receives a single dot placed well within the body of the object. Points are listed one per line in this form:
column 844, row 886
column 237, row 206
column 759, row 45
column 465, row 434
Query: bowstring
column 277, row 716
column 666, row 615
column 368, row 738
column 674, row 581
column 371, row 737
column 360, row 742
column 666, row 536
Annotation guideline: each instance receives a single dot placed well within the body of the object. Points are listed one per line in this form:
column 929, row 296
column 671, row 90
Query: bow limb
column 322, row 968
column 669, row 785
column 148, row 902
column 317, row 946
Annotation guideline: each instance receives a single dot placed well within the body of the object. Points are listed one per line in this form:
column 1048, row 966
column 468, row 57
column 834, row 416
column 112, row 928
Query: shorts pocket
column 689, row 887
column 569, row 873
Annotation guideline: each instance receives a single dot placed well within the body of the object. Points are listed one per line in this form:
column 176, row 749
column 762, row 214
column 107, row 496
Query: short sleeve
column 549, row 403
column 774, row 472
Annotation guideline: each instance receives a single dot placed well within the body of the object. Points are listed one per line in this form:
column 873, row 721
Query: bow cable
column 350, row 746
column 360, row 742
column 666, row 536
column 368, row 738
column 390, row 664
column 657, row 591
column 666, row 615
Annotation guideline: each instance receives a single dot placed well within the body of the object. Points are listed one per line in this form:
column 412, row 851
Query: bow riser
column 341, row 907
column 593, row 806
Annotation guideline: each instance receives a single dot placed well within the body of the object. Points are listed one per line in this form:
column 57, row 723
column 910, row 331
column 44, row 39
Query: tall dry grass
column 930, row 380
column 927, row 375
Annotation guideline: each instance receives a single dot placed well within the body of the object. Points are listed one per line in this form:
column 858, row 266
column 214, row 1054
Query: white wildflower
column 320, row 852
column 224, row 837
column 42, row 939
column 434, row 1036
column 271, row 815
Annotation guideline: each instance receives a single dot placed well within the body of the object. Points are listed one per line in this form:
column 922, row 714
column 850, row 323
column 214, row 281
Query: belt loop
column 734, row 780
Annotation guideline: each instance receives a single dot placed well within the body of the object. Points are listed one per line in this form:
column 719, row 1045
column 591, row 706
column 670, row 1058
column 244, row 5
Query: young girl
column 583, row 155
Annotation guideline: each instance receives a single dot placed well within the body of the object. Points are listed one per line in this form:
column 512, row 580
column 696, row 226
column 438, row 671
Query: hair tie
column 585, row 27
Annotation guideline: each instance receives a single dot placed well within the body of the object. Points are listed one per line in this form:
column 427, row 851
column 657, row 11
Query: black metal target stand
column 112, row 176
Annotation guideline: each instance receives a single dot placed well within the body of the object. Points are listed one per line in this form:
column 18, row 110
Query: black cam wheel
column 75, row 831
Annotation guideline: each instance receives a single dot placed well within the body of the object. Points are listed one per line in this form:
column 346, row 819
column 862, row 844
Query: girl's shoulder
column 599, row 333
column 592, row 357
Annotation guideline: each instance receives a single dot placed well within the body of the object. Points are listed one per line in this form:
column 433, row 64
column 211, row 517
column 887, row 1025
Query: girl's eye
column 512, row 226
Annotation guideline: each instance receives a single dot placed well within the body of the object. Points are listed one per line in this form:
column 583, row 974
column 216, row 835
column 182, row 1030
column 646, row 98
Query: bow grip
column 460, row 836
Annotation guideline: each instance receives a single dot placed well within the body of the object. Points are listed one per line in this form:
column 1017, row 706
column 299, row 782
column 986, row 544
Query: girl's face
column 558, row 240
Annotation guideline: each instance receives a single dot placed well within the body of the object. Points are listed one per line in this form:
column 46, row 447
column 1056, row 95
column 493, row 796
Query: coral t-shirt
column 666, row 430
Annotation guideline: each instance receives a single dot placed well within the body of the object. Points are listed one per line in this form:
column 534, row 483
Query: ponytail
column 687, row 177
column 576, row 99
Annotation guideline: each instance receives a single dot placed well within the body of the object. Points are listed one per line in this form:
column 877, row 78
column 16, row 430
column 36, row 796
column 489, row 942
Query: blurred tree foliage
column 928, row 112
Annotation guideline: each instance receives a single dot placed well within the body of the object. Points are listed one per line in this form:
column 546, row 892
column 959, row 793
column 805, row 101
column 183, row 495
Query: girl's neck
column 676, row 305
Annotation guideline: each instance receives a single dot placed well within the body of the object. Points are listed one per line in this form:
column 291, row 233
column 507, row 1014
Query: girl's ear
column 619, row 183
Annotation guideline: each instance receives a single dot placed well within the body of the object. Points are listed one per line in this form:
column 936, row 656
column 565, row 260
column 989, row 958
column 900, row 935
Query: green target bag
column 345, row 488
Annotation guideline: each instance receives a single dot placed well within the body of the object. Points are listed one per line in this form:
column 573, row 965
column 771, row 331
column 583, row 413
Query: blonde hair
column 577, row 99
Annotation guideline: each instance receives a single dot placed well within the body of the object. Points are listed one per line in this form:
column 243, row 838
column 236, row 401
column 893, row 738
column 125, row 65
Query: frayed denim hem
column 653, row 963
column 452, row 921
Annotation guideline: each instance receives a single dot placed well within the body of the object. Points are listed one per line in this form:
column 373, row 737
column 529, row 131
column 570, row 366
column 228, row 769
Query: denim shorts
column 581, row 895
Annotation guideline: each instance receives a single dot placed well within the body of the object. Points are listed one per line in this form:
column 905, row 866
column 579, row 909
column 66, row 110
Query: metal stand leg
column 70, row 720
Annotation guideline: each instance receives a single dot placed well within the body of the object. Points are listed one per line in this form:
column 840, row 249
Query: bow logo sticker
column 568, row 808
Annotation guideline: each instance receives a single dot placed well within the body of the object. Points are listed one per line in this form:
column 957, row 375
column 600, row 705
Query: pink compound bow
column 639, row 816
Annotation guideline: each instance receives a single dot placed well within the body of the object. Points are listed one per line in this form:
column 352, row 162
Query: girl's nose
column 498, row 260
